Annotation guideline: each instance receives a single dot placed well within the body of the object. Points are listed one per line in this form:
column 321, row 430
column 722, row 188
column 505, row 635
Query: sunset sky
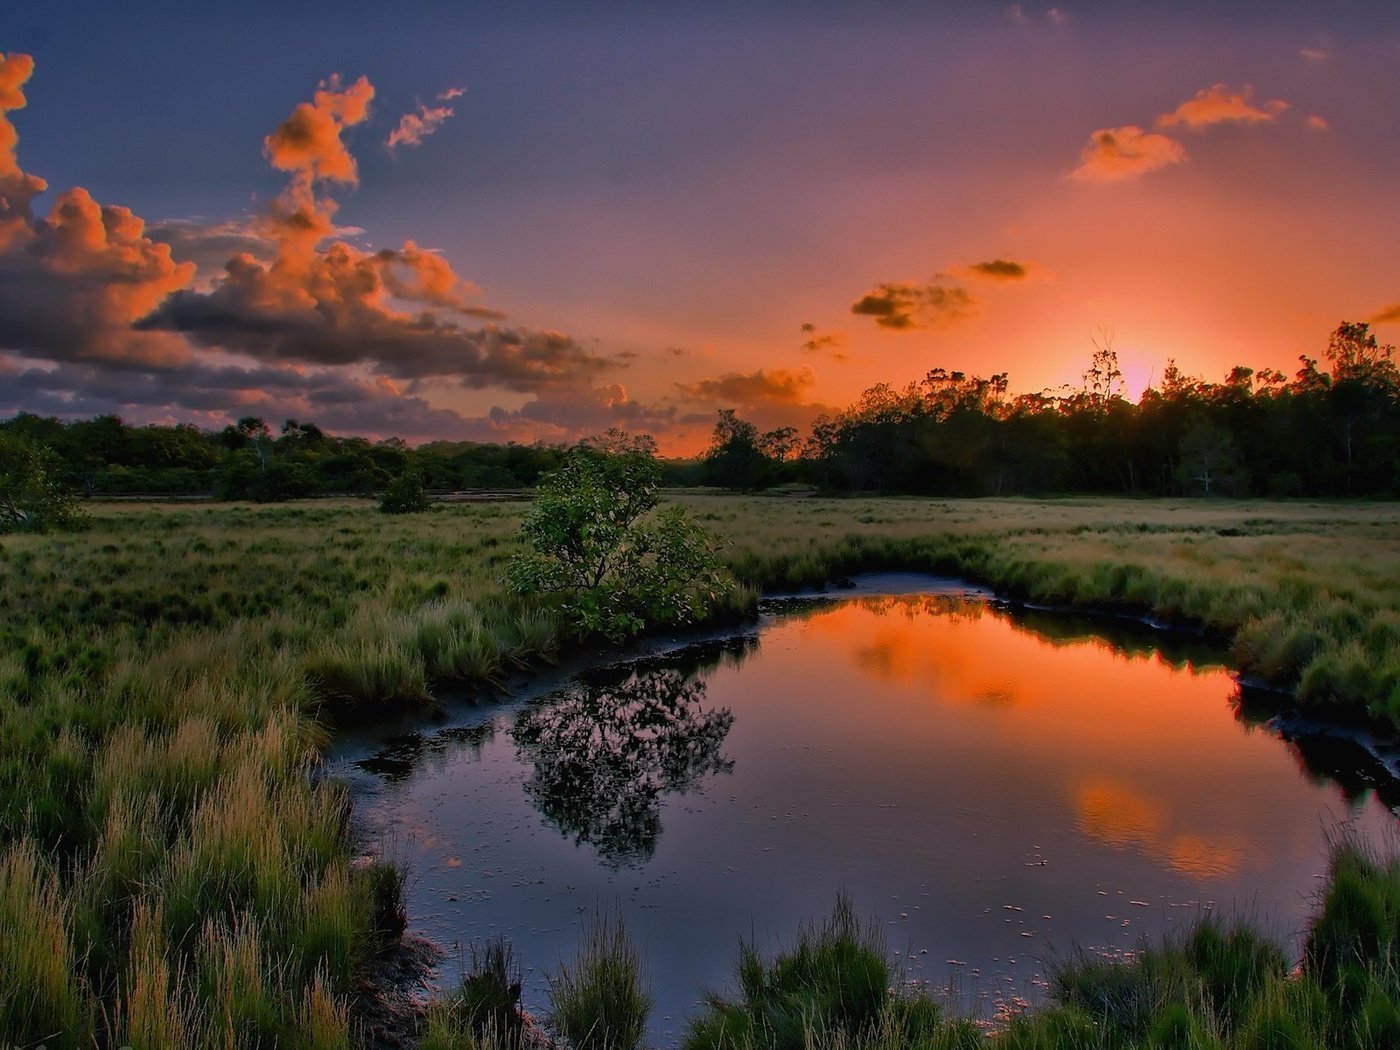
column 539, row 220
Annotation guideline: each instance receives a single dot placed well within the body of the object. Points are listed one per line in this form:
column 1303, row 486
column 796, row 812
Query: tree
column 405, row 494
column 735, row 459
column 593, row 542
column 32, row 499
column 1210, row 465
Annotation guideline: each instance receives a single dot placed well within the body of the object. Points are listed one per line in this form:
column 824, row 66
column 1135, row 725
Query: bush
column 405, row 495
column 617, row 570
column 31, row 497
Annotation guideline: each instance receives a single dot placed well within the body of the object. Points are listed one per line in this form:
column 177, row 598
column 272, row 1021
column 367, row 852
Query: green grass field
column 173, row 874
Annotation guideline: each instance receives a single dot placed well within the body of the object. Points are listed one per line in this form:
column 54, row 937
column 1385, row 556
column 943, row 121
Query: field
column 172, row 871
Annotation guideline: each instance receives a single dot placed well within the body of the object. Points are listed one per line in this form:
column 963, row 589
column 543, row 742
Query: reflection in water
column 1118, row 815
column 402, row 755
column 995, row 785
column 605, row 754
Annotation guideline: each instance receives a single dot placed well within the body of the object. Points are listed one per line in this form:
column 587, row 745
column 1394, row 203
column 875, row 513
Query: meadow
column 174, row 872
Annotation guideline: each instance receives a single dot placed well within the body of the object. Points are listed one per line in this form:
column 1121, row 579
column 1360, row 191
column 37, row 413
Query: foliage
column 32, row 499
column 617, row 568
column 600, row 1001
column 405, row 495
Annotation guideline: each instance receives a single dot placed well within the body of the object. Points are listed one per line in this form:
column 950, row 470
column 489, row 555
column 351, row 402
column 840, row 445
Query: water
column 994, row 789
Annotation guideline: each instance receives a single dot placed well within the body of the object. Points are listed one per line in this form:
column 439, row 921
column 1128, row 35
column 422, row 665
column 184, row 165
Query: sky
column 539, row 220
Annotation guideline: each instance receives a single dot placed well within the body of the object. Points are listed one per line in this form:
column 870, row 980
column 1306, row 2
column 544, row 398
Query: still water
column 994, row 788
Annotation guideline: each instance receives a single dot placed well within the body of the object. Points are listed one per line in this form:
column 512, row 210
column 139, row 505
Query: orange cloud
column 17, row 189
column 1318, row 123
column 308, row 142
column 71, row 284
column 905, row 306
column 414, row 128
column 765, row 386
column 1386, row 315
column 1218, row 104
column 1122, row 154
column 334, row 304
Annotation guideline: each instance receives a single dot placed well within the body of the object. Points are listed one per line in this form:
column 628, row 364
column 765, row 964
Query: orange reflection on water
column 1143, row 754
column 1116, row 814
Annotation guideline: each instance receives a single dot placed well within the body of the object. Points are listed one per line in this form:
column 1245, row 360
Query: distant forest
column 1332, row 431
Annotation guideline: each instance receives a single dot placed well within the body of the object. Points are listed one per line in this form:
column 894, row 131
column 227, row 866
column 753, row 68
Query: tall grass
column 171, row 864
column 600, row 999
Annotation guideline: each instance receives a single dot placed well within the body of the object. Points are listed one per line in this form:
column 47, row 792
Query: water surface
column 993, row 788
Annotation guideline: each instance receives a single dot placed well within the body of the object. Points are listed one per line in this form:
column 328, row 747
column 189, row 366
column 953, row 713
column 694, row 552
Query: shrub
column 405, row 495
column 593, row 541
column 31, row 497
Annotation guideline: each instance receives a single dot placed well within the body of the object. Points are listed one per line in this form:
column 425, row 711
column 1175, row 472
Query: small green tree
column 405, row 494
column 616, row 568
column 32, row 499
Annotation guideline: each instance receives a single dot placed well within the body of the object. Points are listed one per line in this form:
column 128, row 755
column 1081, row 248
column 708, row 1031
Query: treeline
column 247, row 460
column 1332, row 431
column 1319, row 433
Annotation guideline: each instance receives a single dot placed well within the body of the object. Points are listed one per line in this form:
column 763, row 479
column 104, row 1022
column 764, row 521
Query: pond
column 993, row 787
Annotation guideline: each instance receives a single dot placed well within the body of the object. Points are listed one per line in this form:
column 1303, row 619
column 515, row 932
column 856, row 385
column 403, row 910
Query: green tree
column 405, row 494
column 32, row 499
column 616, row 567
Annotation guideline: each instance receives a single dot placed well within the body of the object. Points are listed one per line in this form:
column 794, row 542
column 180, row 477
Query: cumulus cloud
column 1219, row 104
column 1387, row 315
column 906, row 306
column 97, row 315
column 72, row 282
column 397, row 310
column 1122, row 154
column 414, row 127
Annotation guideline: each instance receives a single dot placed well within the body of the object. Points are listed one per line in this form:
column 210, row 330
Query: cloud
column 1000, row 270
column 1387, row 315
column 17, row 189
column 905, row 306
column 1121, row 154
column 1317, row 123
column 748, row 389
column 833, row 344
column 72, row 283
column 1314, row 54
column 209, row 245
column 397, row 310
column 308, row 143
column 1218, row 104
column 414, row 128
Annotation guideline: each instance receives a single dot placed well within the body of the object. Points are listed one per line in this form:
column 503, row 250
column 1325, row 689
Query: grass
column 599, row 1000
column 173, row 871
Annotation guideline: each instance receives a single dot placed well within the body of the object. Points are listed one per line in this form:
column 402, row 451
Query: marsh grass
column 171, row 864
column 600, row 999
column 835, row 978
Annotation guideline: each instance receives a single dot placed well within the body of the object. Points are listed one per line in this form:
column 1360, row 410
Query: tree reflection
column 604, row 754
